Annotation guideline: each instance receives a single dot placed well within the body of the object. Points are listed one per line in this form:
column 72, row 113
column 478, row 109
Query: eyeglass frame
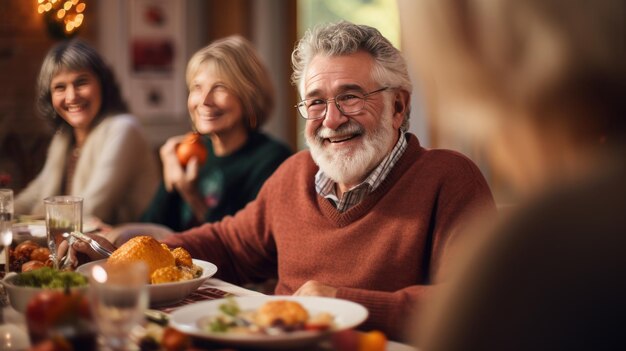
column 327, row 101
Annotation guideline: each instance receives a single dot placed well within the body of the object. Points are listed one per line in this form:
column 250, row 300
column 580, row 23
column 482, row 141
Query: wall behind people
column 262, row 22
column 24, row 41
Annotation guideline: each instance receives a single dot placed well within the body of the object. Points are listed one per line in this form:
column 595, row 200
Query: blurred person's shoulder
column 448, row 163
column 268, row 145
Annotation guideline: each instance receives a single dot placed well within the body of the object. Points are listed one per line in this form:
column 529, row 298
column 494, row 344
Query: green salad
column 47, row 277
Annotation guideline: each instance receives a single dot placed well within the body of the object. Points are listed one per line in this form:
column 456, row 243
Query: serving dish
column 19, row 296
column 167, row 293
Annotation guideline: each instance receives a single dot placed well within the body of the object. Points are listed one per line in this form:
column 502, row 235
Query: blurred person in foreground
column 99, row 151
column 367, row 213
column 546, row 80
column 230, row 98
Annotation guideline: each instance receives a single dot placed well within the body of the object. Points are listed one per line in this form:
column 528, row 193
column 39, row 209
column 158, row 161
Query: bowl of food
column 173, row 274
column 22, row 287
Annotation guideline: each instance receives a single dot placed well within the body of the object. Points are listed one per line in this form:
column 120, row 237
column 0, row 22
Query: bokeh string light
column 69, row 13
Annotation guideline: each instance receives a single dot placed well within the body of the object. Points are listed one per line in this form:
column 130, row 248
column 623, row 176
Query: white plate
column 90, row 224
column 168, row 293
column 347, row 315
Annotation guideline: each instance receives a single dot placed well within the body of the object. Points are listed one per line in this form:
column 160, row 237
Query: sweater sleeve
column 25, row 201
column 241, row 246
column 117, row 163
column 47, row 182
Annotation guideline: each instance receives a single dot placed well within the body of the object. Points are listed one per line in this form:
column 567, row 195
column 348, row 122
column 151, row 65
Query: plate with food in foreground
column 173, row 273
column 267, row 321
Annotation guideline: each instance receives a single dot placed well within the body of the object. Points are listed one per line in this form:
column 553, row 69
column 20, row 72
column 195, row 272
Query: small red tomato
column 51, row 308
column 189, row 147
column 173, row 340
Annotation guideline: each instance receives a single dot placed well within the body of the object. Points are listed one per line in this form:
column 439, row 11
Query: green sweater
column 227, row 183
column 384, row 253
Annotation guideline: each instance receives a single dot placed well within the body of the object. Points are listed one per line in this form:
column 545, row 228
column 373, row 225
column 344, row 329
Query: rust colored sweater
column 383, row 253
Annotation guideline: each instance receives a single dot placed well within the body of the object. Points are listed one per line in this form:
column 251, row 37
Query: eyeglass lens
column 346, row 103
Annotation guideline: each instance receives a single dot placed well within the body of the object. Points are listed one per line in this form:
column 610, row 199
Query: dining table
column 211, row 289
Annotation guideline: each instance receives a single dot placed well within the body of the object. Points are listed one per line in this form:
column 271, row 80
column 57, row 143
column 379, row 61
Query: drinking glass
column 118, row 297
column 12, row 337
column 64, row 214
column 6, row 220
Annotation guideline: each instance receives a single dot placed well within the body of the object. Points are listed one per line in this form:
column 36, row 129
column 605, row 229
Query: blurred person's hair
column 239, row 65
column 76, row 55
column 344, row 38
column 560, row 62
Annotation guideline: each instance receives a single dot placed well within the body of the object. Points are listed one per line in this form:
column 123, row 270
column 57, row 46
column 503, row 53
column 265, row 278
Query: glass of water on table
column 6, row 220
column 64, row 214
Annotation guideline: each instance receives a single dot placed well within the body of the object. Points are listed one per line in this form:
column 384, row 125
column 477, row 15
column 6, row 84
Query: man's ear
column 401, row 104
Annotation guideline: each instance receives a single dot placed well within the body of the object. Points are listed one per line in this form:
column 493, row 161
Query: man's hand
column 81, row 252
column 314, row 288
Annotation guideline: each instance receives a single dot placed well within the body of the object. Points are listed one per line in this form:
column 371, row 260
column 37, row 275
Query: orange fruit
column 373, row 341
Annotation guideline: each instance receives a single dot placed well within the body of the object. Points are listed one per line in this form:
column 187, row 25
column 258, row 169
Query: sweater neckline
column 345, row 218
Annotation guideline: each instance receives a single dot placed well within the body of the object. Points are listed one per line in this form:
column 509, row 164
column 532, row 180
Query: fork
column 92, row 243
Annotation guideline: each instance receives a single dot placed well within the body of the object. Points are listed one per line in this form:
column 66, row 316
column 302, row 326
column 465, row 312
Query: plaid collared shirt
column 325, row 187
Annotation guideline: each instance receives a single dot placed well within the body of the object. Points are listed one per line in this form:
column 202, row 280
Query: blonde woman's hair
column 562, row 62
column 239, row 65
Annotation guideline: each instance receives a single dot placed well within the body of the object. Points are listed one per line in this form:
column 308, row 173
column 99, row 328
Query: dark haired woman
column 98, row 151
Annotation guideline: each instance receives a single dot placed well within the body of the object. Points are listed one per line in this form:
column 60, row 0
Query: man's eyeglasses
column 347, row 103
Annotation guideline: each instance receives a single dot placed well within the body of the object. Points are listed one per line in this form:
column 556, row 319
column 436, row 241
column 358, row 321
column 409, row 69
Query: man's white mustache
column 349, row 128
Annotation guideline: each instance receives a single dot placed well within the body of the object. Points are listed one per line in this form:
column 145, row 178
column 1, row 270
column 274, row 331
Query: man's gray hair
column 344, row 38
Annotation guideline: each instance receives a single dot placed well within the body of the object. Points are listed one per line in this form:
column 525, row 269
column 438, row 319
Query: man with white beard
column 367, row 214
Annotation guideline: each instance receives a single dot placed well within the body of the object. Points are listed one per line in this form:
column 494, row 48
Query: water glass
column 118, row 297
column 64, row 214
column 6, row 220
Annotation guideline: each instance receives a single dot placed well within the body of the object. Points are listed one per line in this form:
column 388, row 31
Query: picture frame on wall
column 156, row 64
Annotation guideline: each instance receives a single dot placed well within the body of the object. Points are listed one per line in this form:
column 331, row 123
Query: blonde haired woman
column 545, row 80
column 230, row 98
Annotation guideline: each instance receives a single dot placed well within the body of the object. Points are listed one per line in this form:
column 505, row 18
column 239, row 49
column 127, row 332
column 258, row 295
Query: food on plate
column 182, row 257
column 26, row 255
column 142, row 248
column 25, row 248
column 273, row 317
column 47, row 277
column 191, row 146
column 41, row 254
column 32, row 265
column 170, row 274
column 281, row 312
column 164, row 265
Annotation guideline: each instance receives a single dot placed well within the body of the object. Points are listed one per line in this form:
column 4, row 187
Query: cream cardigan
column 116, row 173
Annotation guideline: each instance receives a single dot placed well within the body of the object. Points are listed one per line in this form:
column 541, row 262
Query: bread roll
column 281, row 312
column 142, row 248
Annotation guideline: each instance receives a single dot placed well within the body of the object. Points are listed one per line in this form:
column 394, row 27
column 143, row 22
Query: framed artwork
column 156, row 47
